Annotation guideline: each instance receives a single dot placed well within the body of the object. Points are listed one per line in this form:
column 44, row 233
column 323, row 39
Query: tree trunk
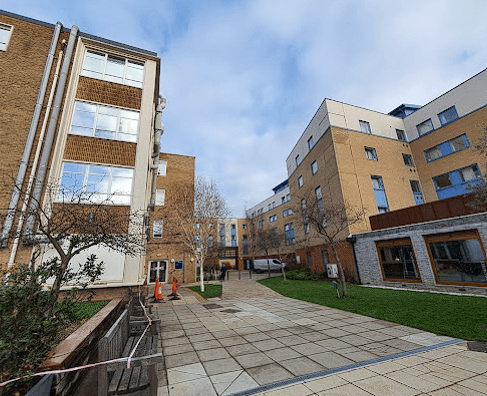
column 56, row 286
column 268, row 266
column 340, row 272
column 202, row 280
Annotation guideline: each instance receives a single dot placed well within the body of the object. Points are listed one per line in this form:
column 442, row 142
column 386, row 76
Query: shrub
column 306, row 274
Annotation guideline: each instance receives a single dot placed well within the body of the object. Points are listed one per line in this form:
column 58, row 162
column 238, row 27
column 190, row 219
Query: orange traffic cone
column 157, row 294
column 174, row 289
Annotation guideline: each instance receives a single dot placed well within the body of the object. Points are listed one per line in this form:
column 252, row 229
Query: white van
column 261, row 265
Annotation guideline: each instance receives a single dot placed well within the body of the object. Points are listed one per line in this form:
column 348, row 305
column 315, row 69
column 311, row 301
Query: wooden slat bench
column 141, row 378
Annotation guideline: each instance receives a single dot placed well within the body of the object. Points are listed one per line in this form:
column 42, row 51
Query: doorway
column 158, row 269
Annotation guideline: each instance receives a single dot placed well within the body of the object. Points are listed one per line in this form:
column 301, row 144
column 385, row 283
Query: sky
column 244, row 78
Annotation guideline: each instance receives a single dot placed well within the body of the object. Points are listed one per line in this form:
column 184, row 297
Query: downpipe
column 15, row 245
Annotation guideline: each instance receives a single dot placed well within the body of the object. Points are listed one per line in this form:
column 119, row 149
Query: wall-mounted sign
column 178, row 265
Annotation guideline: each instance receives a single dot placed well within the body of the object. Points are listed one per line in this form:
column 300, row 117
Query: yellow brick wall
column 471, row 126
column 179, row 172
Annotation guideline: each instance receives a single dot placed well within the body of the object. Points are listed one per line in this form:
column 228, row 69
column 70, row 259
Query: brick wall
column 368, row 260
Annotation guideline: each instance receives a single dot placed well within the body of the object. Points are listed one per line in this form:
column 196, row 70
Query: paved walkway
column 274, row 345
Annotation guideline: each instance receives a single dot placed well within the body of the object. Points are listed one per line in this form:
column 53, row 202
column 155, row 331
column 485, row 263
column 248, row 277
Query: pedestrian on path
column 223, row 271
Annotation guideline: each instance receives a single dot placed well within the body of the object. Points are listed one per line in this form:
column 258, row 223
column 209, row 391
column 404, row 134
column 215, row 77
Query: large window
column 96, row 183
column 364, row 126
column 289, row 232
column 457, row 258
column 112, row 68
column 5, row 33
column 457, row 182
column 105, row 122
column 425, row 127
column 397, row 261
column 446, row 148
column 447, row 116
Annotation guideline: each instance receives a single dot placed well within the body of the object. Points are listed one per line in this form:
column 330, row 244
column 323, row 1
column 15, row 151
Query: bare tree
column 194, row 219
column 479, row 189
column 332, row 223
column 71, row 222
column 252, row 232
column 267, row 241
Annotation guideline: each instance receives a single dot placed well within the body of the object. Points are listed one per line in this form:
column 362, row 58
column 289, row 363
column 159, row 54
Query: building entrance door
column 158, row 270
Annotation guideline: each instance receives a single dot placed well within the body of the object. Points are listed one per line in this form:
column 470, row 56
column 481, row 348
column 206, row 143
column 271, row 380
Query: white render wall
column 342, row 115
column 466, row 97
column 264, row 205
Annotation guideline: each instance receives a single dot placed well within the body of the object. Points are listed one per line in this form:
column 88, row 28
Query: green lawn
column 455, row 316
column 210, row 291
column 86, row 309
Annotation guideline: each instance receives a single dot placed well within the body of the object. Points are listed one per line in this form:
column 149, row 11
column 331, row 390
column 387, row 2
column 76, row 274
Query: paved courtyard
column 277, row 345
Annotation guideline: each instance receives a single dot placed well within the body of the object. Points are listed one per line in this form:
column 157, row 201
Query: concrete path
column 273, row 345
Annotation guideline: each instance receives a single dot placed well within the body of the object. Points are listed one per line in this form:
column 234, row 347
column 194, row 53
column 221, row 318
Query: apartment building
column 84, row 110
column 377, row 163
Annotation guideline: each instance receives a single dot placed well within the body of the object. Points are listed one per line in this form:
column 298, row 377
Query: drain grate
column 212, row 306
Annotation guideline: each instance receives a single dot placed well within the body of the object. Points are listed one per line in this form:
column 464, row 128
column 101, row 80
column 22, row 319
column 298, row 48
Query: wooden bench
column 141, row 378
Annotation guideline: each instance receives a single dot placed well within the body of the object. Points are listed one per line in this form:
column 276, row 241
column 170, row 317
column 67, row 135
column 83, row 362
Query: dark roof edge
column 81, row 34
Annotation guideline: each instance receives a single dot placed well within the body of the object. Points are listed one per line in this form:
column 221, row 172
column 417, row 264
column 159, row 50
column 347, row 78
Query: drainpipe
column 51, row 131
column 352, row 239
column 7, row 226
column 158, row 131
column 15, row 245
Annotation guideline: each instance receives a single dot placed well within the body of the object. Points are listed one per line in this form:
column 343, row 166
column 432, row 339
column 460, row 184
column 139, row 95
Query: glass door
column 157, row 269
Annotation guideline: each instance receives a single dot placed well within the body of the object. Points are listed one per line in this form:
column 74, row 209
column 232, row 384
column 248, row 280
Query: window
column 287, row 212
column 272, row 218
column 364, row 126
column 415, row 186
column 161, row 168
column 244, row 226
column 459, row 143
column 457, row 258
column 397, row 261
column 309, row 260
column 288, row 197
column 469, row 173
column 442, row 181
column 211, row 239
column 324, row 257
column 289, row 232
column 245, row 243
column 370, row 153
column 234, row 240
column 306, row 227
column 111, row 68
column 283, row 200
column 297, row 160
column 408, row 160
column 157, row 229
column 425, row 126
column 446, row 148
column 310, row 143
column 433, row 153
column 314, row 167
column 96, row 183
column 261, row 223
column 400, row 135
column 5, row 33
column 273, row 204
column 303, row 204
column 319, row 198
column 105, row 122
column 268, row 206
column 380, row 194
column 221, row 227
column 160, row 197
column 448, row 116
column 222, row 240
column 300, row 181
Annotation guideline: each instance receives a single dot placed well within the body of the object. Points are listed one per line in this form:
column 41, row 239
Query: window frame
column 104, row 68
column 428, row 122
column 272, row 218
column 365, row 126
column 442, row 119
column 311, row 143
column 86, row 184
column 297, row 160
column 314, row 167
column 9, row 29
column 397, row 242
column 408, row 159
column 448, row 148
column 373, row 153
column 300, row 181
column 154, row 226
column 453, row 236
column 401, row 131
column 96, row 117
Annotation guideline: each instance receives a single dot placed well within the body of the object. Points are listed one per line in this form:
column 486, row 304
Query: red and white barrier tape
column 127, row 359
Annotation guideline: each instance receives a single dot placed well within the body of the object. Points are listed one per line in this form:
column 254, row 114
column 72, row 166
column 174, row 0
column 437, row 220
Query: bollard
column 238, row 274
column 228, row 275
column 250, row 274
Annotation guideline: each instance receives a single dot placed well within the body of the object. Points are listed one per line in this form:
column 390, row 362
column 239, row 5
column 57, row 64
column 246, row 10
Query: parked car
column 261, row 265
